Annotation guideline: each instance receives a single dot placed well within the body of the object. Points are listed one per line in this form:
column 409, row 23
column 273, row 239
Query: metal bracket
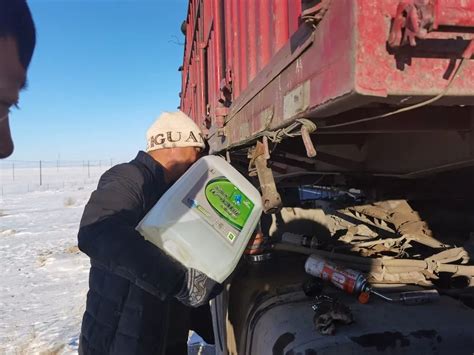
column 414, row 18
column 271, row 199
column 221, row 114
column 206, row 125
column 308, row 143
column 225, row 91
column 315, row 14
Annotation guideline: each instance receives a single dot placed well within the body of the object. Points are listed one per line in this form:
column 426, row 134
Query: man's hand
column 198, row 289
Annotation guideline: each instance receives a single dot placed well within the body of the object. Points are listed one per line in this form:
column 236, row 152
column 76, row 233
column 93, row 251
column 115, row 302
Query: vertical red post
column 202, row 88
column 252, row 40
column 219, row 39
column 263, row 15
column 192, row 84
column 207, row 15
column 235, row 47
column 197, row 60
column 243, row 67
column 280, row 23
column 228, row 34
column 211, row 74
column 294, row 12
column 191, row 98
column 214, row 87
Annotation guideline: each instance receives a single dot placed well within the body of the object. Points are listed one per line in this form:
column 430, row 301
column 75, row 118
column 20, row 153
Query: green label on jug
column 229, row 202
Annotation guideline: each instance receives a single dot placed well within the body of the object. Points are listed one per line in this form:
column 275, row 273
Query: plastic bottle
column 206, row 219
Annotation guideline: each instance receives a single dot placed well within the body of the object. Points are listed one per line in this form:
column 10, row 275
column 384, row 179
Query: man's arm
column 107, row 234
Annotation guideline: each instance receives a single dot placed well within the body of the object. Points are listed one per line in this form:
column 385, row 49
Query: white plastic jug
column 206, row 218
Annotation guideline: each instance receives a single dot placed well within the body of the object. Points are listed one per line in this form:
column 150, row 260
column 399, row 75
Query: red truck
column 355, row 120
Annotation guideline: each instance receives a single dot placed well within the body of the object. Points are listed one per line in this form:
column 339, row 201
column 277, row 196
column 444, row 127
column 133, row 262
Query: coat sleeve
column 107, row 234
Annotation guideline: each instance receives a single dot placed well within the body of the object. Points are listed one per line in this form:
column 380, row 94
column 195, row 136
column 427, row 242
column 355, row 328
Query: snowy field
column 44, row 276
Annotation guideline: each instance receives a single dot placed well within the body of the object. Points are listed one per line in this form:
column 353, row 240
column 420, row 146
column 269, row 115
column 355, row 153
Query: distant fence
column 27, row 176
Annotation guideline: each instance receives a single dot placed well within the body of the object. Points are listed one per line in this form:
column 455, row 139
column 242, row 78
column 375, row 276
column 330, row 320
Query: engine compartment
column 264, row 309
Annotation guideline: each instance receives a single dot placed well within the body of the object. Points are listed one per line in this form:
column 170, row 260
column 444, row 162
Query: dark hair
column 16, row 21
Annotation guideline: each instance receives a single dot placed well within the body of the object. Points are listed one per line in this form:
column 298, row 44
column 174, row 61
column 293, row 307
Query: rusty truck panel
column 227, row 44
column 252, row 68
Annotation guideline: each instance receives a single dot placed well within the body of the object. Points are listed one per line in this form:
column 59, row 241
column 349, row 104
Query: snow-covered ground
column 43, row 275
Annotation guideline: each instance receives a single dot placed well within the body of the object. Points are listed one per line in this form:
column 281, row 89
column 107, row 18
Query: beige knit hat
column 173, row 130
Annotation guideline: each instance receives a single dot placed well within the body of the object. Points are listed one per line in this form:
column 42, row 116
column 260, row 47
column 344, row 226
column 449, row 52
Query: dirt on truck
column 355, row 120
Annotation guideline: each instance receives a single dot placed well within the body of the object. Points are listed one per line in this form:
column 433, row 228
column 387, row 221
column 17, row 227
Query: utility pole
column 41, row 175
column 88, row 169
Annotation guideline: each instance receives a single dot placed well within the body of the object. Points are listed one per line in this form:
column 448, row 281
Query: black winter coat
column 131, row 281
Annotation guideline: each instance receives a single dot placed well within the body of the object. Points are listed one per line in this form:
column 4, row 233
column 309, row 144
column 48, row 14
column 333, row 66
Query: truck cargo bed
column 253, row 68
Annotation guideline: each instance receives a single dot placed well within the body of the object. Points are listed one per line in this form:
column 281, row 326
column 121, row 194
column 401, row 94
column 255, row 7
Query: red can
column 349, row 280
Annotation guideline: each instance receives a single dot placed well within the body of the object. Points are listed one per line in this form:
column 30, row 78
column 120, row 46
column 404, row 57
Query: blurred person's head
column 176, row 142
column 17, row 43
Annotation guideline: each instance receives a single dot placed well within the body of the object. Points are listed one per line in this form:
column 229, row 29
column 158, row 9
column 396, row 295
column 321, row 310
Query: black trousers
column 182, row 319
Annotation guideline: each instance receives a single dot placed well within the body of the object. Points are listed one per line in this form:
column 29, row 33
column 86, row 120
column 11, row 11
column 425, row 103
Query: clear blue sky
column 102, row 71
